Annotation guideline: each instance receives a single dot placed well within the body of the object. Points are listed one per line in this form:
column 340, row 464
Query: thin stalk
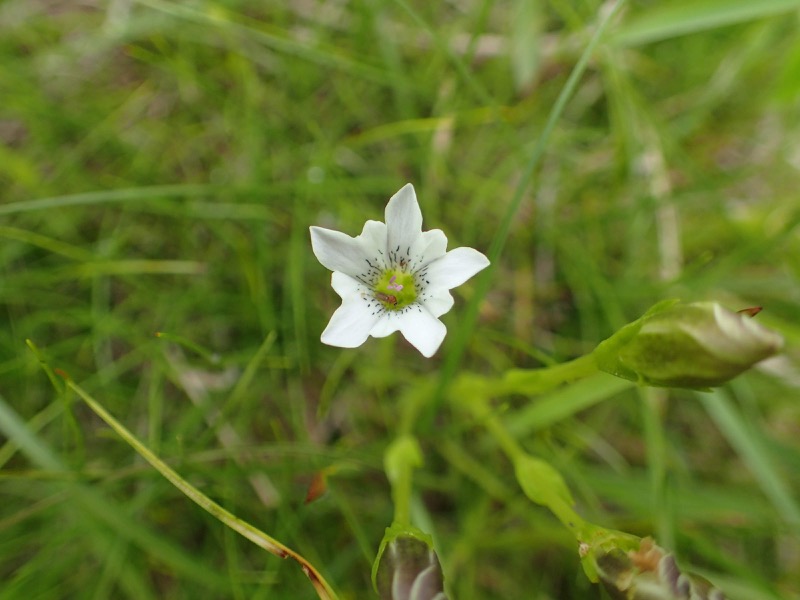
column 402, row 456
column 538, row 381
column 540, row 481
column 258, row 537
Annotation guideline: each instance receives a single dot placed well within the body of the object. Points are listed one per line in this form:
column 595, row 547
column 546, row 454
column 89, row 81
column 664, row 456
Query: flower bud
column 691, row 345
column 407, row 567
column 649, row 573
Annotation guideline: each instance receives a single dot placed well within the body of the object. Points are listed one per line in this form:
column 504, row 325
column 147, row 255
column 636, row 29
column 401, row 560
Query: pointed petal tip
column 336, row 251
column 405, row 198
column 338, row 340
column 428, row 353
column 403, row 218
column 336, row 343
column 318, row 234
column 349, row 326
column 424, row 331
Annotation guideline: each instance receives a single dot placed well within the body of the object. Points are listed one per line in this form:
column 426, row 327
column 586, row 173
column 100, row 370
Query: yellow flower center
column 395, row 289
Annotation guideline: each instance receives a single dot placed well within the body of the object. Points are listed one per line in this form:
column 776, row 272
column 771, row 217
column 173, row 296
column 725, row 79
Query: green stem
column 540, row 481
column 402, row 500
column 508, row 444
column 401, row 458
column 538, row 381
column 412, row 402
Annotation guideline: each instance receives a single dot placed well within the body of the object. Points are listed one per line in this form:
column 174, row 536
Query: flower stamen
column 394, row 286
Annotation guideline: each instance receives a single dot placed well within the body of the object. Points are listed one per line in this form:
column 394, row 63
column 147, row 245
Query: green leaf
column 751, row 446
column 526, row 42
column 672, row 19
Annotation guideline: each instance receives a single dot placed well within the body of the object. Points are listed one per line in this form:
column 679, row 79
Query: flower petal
column 347, row 287
column 373, row 243
column 428, row 247
column 403, row 220
column 454, row 268
column 427, row 583
column 438, row 301
column 337, row 251
column 423, row 331
column 435, row 244
column 390, row 321
column 350, row 325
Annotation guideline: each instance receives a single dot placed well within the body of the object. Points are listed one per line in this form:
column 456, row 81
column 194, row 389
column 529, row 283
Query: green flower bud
column 648, row 573
column 692, row 345
column 407, row 567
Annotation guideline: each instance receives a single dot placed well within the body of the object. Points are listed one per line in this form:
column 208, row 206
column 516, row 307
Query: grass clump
column 160, row 165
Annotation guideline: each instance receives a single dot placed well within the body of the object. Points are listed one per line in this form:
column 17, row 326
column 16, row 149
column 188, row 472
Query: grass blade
column 94, row 506
column 245, row 529
column 673, row 19
column 747, row 442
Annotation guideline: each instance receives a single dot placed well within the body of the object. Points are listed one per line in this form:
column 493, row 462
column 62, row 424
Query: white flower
column 393, row 277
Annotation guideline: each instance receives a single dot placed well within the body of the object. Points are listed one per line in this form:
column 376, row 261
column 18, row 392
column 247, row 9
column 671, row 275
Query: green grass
column 160, row 165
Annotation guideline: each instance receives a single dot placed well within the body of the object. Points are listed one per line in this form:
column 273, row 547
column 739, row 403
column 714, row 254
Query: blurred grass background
column 160, row 165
